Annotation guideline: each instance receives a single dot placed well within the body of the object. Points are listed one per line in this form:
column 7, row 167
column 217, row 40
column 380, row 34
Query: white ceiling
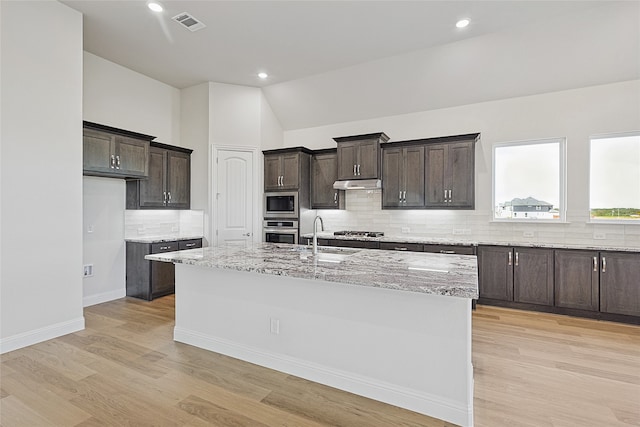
column 309, row 46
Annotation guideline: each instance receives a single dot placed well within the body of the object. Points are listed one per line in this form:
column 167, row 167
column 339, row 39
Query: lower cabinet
column 620, row 283
column 600, row 284
column 517, row 274
column 152, row 279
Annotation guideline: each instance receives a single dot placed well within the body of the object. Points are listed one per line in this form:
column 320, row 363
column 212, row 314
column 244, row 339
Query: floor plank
column 530, row 370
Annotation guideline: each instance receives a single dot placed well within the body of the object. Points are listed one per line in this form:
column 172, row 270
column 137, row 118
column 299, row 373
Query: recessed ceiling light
column 156, row 7
column 263, row 75
column 462, row 23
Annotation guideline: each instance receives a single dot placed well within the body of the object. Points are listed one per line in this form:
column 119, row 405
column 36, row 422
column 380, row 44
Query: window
column 529, row 180
column 615, row 178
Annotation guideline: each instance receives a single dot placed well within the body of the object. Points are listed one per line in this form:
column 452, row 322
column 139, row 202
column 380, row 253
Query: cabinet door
column 576, row 279
column 290, row 171
column 178, row 180
column 533, row 276
column 272, row 172
column 460, row 174
column 435, row 170
column 324, row 172
column 347, row 159
column 131, row 156
column 153, row 189
column 392, row 177
column 495, row 272
column 367, row 159
column 97, row 149
column 620, row 283
column 414, row 177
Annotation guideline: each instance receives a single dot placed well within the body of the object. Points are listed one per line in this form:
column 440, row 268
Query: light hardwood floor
column 531, row 369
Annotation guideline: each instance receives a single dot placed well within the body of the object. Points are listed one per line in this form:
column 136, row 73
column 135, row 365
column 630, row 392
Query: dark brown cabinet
column 409, row 247
column 324, row 172
column 518, row 274
column 285, row 169
column 403, row 177
column 359, row 156
column 577, row 282
column 450, row 175
column 169, row 183
column 450, row 249
column 152, row 279
column 620, row 283
column 109, row 154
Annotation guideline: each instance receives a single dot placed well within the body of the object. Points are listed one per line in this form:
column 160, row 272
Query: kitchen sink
column 326, row 254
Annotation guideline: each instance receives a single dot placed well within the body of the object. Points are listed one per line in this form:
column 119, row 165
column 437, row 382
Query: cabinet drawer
column 157, row 248
column 412, row 247
column 450, row 249
column 356, row 244
column 189, row 244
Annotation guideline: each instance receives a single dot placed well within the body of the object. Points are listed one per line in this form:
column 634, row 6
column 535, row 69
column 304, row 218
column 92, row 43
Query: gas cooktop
column 359, row 233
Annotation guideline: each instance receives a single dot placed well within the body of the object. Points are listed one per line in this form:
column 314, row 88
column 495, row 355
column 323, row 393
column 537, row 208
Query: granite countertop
column 447, row 275
column 161, row 239
column 448, row 241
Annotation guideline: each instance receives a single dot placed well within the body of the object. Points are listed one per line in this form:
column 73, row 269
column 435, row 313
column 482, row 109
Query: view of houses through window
column 615, row 178
column 528, row 180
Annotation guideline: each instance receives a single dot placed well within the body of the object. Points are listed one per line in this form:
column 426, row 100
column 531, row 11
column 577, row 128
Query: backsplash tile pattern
column 170, row 223
column 363, row 212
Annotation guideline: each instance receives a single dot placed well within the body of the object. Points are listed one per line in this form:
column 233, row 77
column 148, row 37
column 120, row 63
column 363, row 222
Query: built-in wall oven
column 280, row 231
column 281, row 204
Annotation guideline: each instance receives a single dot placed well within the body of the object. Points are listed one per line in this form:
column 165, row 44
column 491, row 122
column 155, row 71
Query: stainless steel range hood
column 358, row 184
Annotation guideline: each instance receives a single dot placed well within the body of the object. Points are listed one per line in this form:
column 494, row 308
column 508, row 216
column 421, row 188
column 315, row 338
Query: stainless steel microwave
column 281, row 204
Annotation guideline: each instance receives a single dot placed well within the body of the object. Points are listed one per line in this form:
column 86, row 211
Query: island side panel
column 408, row 349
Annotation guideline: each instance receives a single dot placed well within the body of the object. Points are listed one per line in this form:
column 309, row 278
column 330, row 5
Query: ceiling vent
column 188, row 21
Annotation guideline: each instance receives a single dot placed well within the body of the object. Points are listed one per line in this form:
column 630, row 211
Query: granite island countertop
column 462, row 242
column 437, row 274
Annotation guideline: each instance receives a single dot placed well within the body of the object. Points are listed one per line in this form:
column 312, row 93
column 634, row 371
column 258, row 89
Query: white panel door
column 234, row 197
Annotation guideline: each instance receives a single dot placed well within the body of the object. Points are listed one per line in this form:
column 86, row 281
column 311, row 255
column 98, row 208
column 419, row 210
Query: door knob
column 247, row 234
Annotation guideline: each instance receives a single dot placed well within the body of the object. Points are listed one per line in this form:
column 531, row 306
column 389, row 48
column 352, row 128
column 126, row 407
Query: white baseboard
column 103, row 297
column 403, row 397
column 26, row 339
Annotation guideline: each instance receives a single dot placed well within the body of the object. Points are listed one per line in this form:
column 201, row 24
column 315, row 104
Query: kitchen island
column 392, row 326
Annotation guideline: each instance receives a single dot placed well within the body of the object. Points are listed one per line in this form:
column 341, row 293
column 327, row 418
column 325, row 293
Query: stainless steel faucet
column 315, row 232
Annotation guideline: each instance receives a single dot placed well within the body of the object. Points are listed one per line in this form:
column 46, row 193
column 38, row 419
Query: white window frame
column 562, row 181
column 604, row 136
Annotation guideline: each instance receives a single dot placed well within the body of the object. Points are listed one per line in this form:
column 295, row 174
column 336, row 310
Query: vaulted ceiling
column 336, row 61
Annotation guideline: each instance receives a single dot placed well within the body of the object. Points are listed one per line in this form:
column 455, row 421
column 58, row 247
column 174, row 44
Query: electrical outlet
column 275, row 326
column 528, row 234
column 599, row 236
column 140, row 231
column 461, row 231
column 90, row 228
column 87, row 270
column 406, row 230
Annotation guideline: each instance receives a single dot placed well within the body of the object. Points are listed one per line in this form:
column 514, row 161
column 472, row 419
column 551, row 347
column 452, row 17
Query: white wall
column 41, row 264
column 574, row 114
column 118, row 97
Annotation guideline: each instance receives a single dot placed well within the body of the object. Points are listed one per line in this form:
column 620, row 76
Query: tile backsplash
column 363, row 212
column 170, row 223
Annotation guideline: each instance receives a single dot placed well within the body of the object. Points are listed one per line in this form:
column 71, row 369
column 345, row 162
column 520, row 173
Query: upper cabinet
column 359, row 156
column 112, row 152
column 286, row 169
column 403, row 176
column 169, row 182
column 324, row 172
column 450, row 171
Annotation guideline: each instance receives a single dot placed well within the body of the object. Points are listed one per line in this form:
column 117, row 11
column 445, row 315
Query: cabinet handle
column 335, row 198
column 164, row 248
column 604, row 265
column 358, row 170
column 400, row 249
column 445, row 196
column 169, row 196
column 450, row 196
column 354, row 170
column 517, row 259
column 188, row 245
column 510, row 257
column 404, row 196
column 595, row 263
column 117, row 162
column 112, row 165
column 454, row 252
column 400, row 196
column 164, row 197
